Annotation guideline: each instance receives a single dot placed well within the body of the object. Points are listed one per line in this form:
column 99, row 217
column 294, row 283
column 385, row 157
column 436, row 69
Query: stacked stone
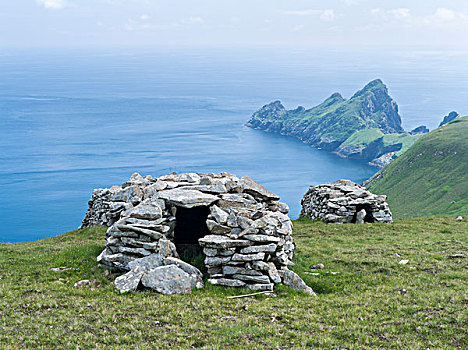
column 344, row 201
column 248, row 243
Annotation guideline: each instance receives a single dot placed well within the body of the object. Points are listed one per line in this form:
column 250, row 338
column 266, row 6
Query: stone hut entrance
column 368, row 218
column 190, row 227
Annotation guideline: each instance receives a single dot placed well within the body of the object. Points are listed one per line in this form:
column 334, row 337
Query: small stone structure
column 241, row 227
column 344, row 201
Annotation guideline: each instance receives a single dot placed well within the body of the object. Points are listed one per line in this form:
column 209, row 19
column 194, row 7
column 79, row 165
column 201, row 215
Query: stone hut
column 240, row 226
column 344, row 201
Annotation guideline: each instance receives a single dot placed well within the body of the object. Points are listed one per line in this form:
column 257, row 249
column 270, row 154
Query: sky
column 302, row 23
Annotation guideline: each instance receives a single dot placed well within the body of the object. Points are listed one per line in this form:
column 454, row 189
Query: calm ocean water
column 73, row 121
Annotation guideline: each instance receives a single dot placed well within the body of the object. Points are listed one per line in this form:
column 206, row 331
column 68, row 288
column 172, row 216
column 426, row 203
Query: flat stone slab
column 147, row 263
column 252, row 186
column 262, row 238
column 168, row 280
column 261, row 287
column 146, row 210
column 187, row 198
column 222, row 242
column 227, row 282
column 248, row 257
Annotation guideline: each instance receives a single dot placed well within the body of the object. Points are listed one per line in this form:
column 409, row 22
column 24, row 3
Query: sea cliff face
column 353, row 128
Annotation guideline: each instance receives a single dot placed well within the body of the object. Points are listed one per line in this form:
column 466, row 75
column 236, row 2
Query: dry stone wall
column 247, row 238
column 344, row 201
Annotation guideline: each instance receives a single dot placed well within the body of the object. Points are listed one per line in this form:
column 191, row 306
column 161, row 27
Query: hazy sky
column 233, row 23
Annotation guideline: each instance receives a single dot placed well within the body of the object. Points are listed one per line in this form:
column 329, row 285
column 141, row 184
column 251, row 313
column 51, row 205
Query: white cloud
column 53, row 4
column 326, row 15
column 192, row 20
column 441, row 16
column 400, row 13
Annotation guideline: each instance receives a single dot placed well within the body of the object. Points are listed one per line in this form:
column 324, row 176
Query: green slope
column 431, row 178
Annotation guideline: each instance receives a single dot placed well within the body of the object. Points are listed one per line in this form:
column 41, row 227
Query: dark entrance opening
column 368, row 218
column 190, row 226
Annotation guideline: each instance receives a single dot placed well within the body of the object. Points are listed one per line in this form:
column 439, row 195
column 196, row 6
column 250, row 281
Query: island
column 367, row 126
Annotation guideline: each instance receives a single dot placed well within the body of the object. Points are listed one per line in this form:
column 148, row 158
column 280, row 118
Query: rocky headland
column 367, row 126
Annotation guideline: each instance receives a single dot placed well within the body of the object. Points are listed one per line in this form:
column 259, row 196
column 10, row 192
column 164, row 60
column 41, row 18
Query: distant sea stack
column 367, row 126
column 420, row 130
column 449, row 118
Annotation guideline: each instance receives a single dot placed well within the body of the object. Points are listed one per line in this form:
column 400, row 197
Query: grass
column 431, row 177
column 405, row 139
column 364, row 306
column 363, row 137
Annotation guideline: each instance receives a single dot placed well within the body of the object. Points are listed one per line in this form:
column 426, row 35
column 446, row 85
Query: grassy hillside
column 431, row 178
column 372, row 302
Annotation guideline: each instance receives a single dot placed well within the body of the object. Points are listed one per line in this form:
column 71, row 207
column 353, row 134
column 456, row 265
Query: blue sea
column 72, row 121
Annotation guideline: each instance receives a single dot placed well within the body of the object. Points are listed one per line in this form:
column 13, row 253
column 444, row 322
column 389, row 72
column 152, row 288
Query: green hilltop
column 431, row 178
column 367, row 126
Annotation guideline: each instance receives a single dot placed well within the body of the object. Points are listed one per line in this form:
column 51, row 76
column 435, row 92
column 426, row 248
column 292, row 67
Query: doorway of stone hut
column 190, row 226
column 368, row 218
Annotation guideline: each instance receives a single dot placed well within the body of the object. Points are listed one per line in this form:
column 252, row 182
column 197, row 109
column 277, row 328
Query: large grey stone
column 195, row 274
column 130, row 281
column 187, row 198
column 148, row 262
column 273, row 273
column 268, row 248
column 222, row 242
column 216, row 260
column 218, row 214
column 250, row 278
column 146, row 210
column 291, row 279
column 262, row 238
column 226, row 282
column 232, row 270
column 257, row 189
column 261, row 287
column 248, row 257
column 217, row 228
column 166, row 248
column 168, row 279
column 131, row 194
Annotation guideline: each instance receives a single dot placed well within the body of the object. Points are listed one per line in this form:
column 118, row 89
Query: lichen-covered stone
column 168, row 279
column 291, row 279
column 130, row 281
